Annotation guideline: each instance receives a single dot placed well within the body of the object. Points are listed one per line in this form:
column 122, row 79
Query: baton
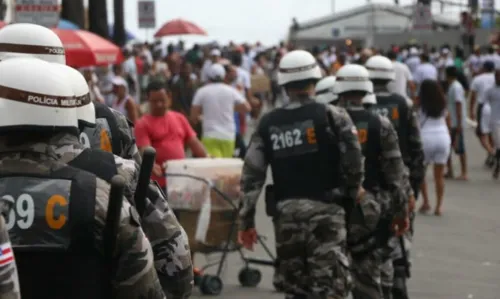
column 113, row 216
column 405, row 256
column 112, row 225
column 148, row 161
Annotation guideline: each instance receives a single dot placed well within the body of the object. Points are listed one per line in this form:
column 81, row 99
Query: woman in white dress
column 436, row 140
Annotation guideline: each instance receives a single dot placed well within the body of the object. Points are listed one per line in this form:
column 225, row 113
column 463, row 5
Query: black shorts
column 479, row 117
column 240, row 148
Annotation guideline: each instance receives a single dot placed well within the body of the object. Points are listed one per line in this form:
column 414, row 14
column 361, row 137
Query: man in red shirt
column 168, row 132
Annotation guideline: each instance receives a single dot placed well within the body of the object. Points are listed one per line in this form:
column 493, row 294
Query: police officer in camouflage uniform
column 316, row 163
column 57, row 225
column 9, row 282
column 396, row 109
column 167, row 237
column 384, row 205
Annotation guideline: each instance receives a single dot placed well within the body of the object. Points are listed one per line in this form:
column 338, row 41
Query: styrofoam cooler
column 194, row 195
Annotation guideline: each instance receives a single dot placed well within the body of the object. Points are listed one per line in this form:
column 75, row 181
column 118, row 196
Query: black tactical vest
column 97, row 162
column 52, row 230
column 105, row 135
column 368, row 126
column 395, row 108
column 299, row 147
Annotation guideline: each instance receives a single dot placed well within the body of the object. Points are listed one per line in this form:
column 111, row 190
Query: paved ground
column 455, row 256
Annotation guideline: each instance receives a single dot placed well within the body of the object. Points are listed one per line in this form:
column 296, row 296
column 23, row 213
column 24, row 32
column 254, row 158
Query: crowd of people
column 183, row 74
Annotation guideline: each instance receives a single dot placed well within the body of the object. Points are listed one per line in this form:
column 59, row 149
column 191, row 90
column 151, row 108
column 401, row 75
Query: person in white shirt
column 426, row 70
column 404, row 79
column 123, row 101
column 215, row 56
column 474, row 62
column 444, row 61
column 457, row 110
column 480, row 84
column 414, row 60
column 492, row 98
column 489, row 55
column 243, row 81
column 216, row 102
column 436, row 140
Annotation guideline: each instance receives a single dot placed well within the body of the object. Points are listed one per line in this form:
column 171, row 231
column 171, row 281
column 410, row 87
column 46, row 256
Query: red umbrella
column 179, row 27
column 84, row 48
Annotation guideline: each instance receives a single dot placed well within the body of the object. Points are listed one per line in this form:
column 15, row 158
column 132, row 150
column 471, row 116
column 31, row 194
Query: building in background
column 381, row 25
column 363, row 25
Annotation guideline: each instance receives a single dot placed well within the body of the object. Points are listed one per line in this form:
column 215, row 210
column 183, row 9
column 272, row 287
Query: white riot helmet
column 298, row 65
column 35, row 95
column 85, row 109
column 380, row 67
column 325, row 90
column 369, row 99
column 353, row 77
column 31, row 40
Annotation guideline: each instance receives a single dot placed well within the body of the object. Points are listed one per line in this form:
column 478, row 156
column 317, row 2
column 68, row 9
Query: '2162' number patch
column 294, row 139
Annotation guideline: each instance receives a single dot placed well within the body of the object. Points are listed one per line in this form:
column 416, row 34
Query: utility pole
column 119, row 36
column 98, row 18
column 370, row 25
column 333, row 6
column 72, row 10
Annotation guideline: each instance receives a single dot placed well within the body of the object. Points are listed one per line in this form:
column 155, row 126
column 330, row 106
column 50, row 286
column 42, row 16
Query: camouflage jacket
column 136, row 276
column 255, row 166
column 129, row 149
column 393, row 167
column 168, row 238
column 415, row 159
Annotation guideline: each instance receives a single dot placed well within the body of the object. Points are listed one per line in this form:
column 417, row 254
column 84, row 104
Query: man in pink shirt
column 168, row 132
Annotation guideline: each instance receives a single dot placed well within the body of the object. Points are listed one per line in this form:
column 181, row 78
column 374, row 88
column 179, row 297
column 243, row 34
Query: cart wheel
column 249, row 277
column 198, row 275
column 279, row 287
column 211, row 285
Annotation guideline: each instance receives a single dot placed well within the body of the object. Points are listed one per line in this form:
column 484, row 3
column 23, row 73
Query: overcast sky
column 241, row 20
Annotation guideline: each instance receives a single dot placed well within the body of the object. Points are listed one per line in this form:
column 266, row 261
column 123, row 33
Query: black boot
column 399, row 290
column 387, row 292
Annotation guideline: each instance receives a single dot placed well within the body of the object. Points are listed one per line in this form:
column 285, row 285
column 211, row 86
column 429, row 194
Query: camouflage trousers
column 393, row 275
column 311, row 248
column 278, row 276
column 365, row 267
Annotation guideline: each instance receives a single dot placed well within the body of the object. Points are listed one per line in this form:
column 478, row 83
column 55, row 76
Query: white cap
column 445, row 51
column 85, row 109
column 413, row 51
column 215, row 52
column 119, row 81
column 21, row 40
column 33, row 94
column 353, row 77
column 216, row 72
column 298, row 65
